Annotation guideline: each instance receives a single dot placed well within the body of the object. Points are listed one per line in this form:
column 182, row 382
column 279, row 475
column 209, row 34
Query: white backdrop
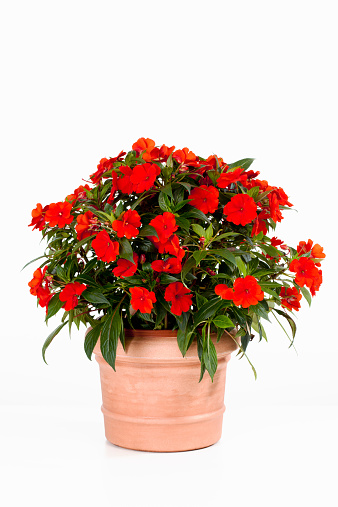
column 84, row 80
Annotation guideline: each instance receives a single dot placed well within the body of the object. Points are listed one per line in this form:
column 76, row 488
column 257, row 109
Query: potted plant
column 172, row 261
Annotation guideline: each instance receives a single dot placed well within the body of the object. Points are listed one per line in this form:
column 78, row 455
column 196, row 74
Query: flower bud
column 142, row 259
column 202, row 240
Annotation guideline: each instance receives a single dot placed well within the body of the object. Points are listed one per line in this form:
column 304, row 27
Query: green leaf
column 241, row 266
column 199, row 255
column 110, row 335
column 270, row 250
column 210, row 358
column 289, row 319
column 160, row 313
column 126, row 251
column 226, row 254
column 180, row 205
column 253, row 192
column 199, row 230
column 148, row 230
column 195, row 213
column 167, row 190
column 183, row 223
column 245, row 163
column 79, row 244
column 183, row 340
column 306, row 295
column 209, row 233
column 189, row 264
column 207, row 310
column 187, row 186
column 223, row 321
column 95, row 297
column 50, row 338
column 165, row 279
column 30, row 262
column 86, row 279
column 70, row 321
column 54, row 306
column 272, row 293
column 200, row 300
column 164, row 202
column 91, row 339
column 89, row 266
column 222, row 236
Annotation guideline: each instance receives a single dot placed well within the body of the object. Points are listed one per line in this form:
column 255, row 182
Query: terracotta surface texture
column 154, row 402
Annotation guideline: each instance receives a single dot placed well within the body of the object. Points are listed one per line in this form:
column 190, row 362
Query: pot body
column 154, row 402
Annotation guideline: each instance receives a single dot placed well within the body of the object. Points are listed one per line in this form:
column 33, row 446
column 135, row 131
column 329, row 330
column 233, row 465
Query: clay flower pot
column 154, row 402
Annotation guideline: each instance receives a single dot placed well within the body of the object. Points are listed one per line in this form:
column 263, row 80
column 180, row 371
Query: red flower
column 161, row 154
column 85, row 224
column 241, row 209
column 105, row 249
column 145, row 145
column 70, row 295
column 171, row 246
column 165, row 226
column 213, row 161
column 226, row 178
column 185, row 156
column 278, row 242
column 38, row 217
column 144, row 176
column 246, row 292
column 127, row 224
column 306, row 272
column 316, row 283
column 114, row 186
column 179, row 296
column 79, row 193
column 290, row 298
column 37, row 280
column 44, row 296
column 170, row 265
column 124, row 184
column 126, row 268
column 275, row 212
column 142, row 299
column 224, row 291
column 316, row 250
column 204, row 198
column 104, row 166
column 59, row 214
column 260, row 224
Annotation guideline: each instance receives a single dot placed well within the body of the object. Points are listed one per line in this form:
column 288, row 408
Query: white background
column 83, row 80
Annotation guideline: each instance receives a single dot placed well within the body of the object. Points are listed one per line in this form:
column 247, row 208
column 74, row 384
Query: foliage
column 162, row 238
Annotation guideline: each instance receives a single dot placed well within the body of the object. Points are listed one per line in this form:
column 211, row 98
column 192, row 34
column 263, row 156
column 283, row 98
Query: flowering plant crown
column 161, row 238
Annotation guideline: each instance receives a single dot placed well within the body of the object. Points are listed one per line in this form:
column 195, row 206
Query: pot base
column 174, row 434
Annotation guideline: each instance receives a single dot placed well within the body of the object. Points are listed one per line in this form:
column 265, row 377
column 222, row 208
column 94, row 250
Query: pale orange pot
column 154, row 402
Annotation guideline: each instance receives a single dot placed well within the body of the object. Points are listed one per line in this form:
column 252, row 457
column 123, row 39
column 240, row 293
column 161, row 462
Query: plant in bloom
column 70, row 295
column 179, row 296
column 127, row 224
column 245, row 292
column 290, row 298
column 142, row 299
column 204, row 198
column 105, row 249
column 162, row 238
column 241, row 210
column 58, row 214
column 126, row 268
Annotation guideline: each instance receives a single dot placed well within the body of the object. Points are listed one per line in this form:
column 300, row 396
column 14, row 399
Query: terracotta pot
column 154, row 402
